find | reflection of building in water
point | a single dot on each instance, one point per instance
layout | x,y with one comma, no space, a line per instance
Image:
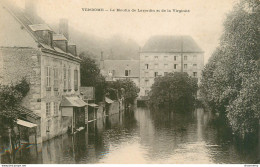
48,60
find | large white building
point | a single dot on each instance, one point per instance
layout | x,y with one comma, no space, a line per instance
163,54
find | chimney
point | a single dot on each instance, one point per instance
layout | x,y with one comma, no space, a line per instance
64,28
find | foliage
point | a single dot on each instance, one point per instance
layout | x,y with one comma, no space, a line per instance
10,97
90,76
230,80
177,89
125,88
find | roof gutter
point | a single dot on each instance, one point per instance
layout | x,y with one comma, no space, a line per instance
60,54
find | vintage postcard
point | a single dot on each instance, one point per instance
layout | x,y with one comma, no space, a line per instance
129,82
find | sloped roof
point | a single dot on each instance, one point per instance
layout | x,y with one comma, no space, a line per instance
33,24
39,27
171,44
27,112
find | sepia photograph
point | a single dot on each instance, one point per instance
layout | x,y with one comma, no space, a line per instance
130,82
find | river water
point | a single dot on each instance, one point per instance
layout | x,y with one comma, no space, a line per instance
142,136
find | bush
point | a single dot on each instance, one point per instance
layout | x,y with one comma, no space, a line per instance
178,90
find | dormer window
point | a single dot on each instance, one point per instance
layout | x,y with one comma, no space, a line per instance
44,33
61,42
72,49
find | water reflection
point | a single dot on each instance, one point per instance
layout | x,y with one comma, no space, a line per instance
143,136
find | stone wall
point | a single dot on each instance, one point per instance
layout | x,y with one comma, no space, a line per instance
56,123
113,108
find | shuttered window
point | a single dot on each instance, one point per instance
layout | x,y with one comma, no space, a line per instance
69,79
48,77
64,78
48,110
76,80
56,78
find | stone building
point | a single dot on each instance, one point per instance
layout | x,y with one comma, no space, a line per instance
164,54
120,69
30,48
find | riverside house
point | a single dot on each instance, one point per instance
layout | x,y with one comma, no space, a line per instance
48,60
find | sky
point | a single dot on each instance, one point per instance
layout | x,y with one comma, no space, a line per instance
204,21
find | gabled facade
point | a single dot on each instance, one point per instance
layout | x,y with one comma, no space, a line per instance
29,48
165,54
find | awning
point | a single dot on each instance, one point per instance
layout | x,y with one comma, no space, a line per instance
72,102
92,105
108,100
25,123
27,112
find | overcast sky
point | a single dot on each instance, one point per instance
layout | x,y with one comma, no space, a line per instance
204,22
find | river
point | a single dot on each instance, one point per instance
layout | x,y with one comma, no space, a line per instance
142,136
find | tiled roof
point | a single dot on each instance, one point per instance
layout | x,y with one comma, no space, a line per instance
171,44
27,112
32,24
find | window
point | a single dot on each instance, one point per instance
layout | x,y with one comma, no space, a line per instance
194,74
69,79
165,57
56,78
48,124
111,72
65,78
48,110
156,57
194,57
175,66
185,66
155,74
146,66
146,82
76,80
56,108
185,58
156,66
165,66
194,65
48,78
175,58
146,92
127,72
165,73
146,74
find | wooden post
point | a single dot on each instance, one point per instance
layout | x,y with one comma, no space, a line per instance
11,145
72,121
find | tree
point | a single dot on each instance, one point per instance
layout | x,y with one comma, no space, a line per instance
125,88
175,89
90,76
230,83
10,97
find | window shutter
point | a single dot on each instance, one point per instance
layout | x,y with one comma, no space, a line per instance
46,76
